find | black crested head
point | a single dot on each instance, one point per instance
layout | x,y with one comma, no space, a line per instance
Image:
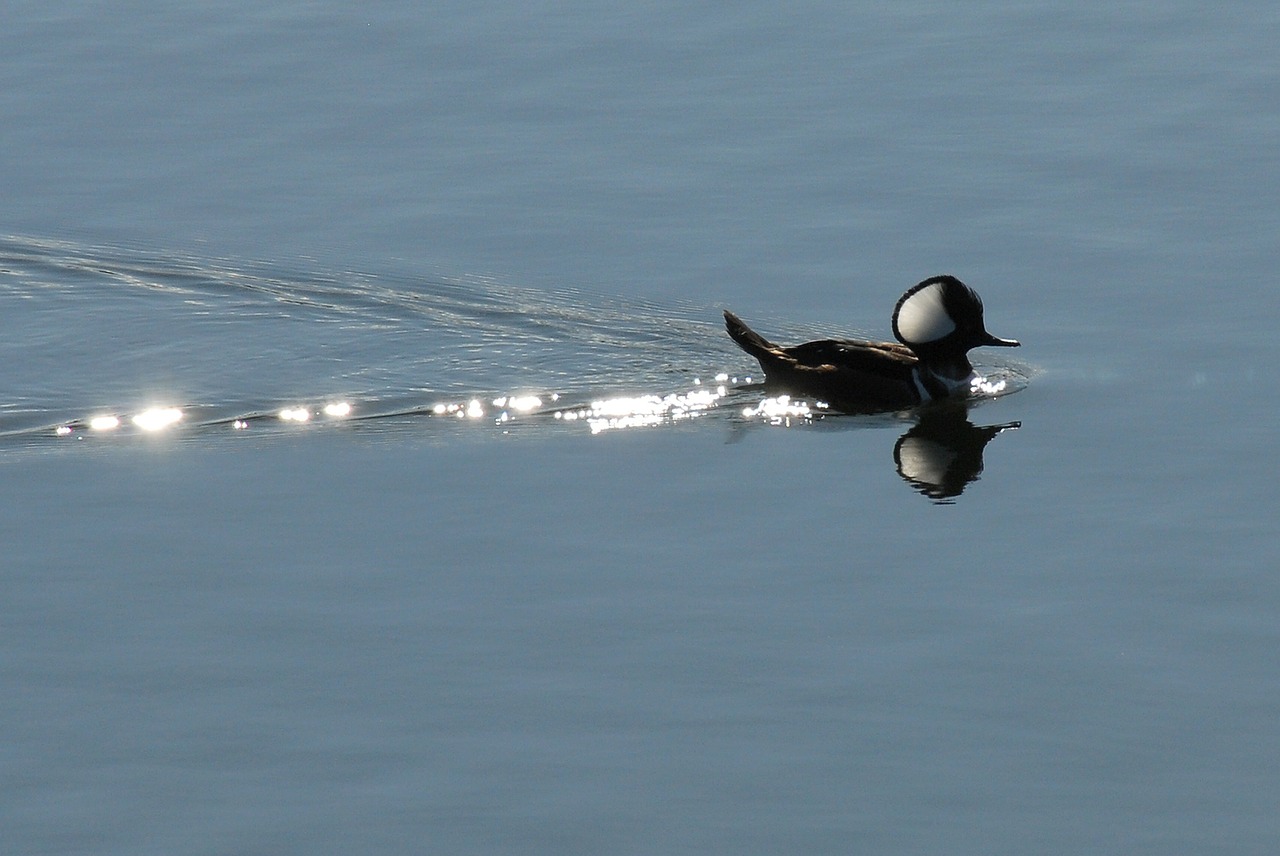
942,314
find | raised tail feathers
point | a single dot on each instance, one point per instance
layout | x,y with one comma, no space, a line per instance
749,340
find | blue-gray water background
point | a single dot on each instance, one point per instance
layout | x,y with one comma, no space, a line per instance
410,627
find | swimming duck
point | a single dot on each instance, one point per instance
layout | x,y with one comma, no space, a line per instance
937,322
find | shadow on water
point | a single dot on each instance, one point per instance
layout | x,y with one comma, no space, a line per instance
106,344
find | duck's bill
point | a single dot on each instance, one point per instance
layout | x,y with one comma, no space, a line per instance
1001,343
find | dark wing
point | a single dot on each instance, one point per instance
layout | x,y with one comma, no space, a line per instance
851,376
854,355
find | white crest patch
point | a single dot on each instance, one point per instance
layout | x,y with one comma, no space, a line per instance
922,317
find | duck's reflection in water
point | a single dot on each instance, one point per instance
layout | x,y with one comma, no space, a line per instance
942,453
939,456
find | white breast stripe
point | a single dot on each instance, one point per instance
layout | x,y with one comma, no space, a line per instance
924,393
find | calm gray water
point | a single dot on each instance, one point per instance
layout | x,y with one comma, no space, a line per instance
378,477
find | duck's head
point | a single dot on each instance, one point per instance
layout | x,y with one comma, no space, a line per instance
942,315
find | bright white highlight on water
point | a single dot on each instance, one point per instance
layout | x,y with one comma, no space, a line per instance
520,403
983,386
337,409
780,410
295,414
643,410
473,409
104,423
157,418
600,415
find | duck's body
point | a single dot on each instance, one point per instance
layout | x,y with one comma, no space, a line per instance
937,323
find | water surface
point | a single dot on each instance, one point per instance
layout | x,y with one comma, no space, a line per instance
679,622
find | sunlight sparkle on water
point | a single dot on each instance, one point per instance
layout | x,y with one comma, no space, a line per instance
295,414
600,415
984,386
781,410
520,403
644,410
473,409
157,418
337,409
104,423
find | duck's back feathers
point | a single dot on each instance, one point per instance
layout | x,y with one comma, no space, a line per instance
879,372
851,353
